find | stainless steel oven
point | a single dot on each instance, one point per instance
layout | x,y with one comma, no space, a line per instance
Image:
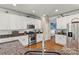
31,38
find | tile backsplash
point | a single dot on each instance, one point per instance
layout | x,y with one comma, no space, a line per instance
5,32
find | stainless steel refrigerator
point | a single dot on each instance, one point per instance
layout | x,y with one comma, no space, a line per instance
73,34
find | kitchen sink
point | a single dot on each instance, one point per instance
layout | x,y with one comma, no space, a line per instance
40,53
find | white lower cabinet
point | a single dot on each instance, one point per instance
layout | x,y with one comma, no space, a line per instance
39,37
60,39
3,40
23,40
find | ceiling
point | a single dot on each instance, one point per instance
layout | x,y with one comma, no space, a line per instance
40,9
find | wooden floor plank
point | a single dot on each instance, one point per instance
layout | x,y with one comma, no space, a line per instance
49,44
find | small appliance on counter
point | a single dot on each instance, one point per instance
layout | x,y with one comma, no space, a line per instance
30,26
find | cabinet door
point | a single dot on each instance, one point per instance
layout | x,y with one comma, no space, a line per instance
23,22
39,37
37,24
61,23
17,22
23,40
60,39
4,21
13,22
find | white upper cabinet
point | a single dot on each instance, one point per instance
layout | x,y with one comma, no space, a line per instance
24,21
38,24
10,21
13,22
17,22
35,22
61,23
4,21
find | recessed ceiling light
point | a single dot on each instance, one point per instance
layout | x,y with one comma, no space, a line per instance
56,10
14,4
44,49
44,14
33,11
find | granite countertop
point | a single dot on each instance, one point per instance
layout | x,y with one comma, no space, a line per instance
19,34
11,35
67,51
12,48
16,48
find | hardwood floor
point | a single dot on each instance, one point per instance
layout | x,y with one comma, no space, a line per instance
49,44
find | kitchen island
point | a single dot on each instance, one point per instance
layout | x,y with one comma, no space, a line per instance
16,48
